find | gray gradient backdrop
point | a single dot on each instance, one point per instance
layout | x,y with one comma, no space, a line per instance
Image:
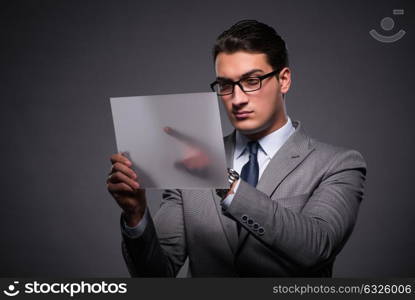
61,61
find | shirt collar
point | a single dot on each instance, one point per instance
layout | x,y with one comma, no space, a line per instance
269,144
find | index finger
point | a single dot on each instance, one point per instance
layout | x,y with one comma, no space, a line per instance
119,157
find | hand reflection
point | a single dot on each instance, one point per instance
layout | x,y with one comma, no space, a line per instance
196,159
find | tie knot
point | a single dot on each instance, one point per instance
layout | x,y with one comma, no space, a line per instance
253,147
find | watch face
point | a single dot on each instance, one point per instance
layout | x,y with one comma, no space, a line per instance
233,175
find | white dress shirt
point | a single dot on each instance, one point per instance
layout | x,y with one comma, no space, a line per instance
268,147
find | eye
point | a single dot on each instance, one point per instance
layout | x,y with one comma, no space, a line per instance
251,81
223,86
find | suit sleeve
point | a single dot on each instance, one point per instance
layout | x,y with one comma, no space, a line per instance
161,250
313,236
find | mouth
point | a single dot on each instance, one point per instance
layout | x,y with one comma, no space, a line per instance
241,115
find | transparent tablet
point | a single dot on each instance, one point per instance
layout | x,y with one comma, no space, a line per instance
174,141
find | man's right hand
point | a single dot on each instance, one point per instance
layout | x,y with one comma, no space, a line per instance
123,186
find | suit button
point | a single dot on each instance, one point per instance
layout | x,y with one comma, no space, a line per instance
250,222
255,226
244,218
261,230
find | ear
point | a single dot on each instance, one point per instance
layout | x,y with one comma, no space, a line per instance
284,78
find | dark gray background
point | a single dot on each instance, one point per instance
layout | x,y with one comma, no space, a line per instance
61,61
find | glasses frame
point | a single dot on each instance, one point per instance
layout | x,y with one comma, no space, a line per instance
261,78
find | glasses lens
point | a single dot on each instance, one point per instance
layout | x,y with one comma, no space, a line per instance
224,88
251,84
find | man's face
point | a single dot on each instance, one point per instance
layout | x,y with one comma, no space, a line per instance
256,113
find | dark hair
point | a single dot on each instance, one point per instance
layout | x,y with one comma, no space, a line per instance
256,37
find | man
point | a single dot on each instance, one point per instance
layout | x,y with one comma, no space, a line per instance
294,205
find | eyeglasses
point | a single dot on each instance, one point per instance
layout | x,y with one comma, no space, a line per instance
247,84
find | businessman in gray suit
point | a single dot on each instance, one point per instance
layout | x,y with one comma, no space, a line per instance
290,210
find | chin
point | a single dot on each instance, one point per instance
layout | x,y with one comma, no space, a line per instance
253,128
247,127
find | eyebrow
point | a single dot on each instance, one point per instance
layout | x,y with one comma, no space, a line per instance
247,74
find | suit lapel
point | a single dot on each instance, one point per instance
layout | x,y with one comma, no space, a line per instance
229,226
287,158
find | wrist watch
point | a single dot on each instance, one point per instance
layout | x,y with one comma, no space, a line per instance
232,177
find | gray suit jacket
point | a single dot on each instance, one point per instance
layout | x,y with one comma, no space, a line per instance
294,222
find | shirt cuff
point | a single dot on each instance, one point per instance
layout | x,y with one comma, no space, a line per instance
138,230
228,199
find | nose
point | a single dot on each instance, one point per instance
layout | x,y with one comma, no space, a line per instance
239,97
